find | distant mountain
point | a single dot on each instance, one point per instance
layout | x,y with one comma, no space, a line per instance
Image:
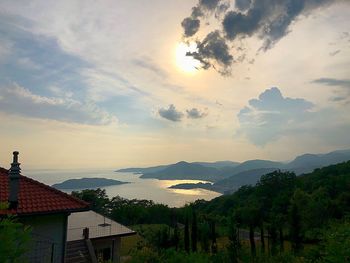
84,183
228,176
232,183
308,162
249,172
143,170
185,171
256,164
219,165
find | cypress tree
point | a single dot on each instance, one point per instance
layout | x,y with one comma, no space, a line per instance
273,238
295,230
194,231
251,240
187,236
176,237
214,247
234,242
281,239
262,238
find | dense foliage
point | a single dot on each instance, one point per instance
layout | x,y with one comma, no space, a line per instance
301,219
14,240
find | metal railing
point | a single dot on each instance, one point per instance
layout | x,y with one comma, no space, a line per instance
102,230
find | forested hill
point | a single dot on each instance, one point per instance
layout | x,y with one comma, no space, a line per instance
185,170
279,188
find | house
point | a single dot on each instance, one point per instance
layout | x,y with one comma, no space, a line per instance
100,233
57,220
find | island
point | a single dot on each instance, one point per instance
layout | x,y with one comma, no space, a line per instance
192,186
84,183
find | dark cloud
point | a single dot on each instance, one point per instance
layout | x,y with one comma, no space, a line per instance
221,9
268,117
190,26
243,5
170,113
345,83
194,113
209,5
212,51
269,20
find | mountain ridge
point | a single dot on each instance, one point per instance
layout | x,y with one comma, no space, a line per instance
229,175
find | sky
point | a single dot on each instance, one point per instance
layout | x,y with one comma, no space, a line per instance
109,84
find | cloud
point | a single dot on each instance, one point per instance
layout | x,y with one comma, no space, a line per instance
242,5
190,26
341,86
344,83
21,101
267,118
212,51
148,64
171,113
5,48
338,98
104,85
194,113
269,20
333,53
209,4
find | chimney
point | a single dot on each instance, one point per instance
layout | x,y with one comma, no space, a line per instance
14,177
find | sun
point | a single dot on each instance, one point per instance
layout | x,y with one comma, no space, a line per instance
186,63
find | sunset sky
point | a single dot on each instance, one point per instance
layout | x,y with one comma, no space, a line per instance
109,84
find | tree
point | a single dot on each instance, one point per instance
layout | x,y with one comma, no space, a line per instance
272,239
251,240
234,244
214,246
14,240
187,236
194,231
97,198
262,237
204,234
295,228
249,215
176,238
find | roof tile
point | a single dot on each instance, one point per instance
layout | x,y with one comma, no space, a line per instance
36,197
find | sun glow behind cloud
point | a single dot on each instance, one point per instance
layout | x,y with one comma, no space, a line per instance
186,63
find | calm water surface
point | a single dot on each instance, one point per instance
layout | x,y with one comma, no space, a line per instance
151,189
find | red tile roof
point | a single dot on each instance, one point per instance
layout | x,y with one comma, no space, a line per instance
35,197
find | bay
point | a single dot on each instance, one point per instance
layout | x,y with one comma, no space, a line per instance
138,188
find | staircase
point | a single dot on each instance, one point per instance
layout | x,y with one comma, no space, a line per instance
77,252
